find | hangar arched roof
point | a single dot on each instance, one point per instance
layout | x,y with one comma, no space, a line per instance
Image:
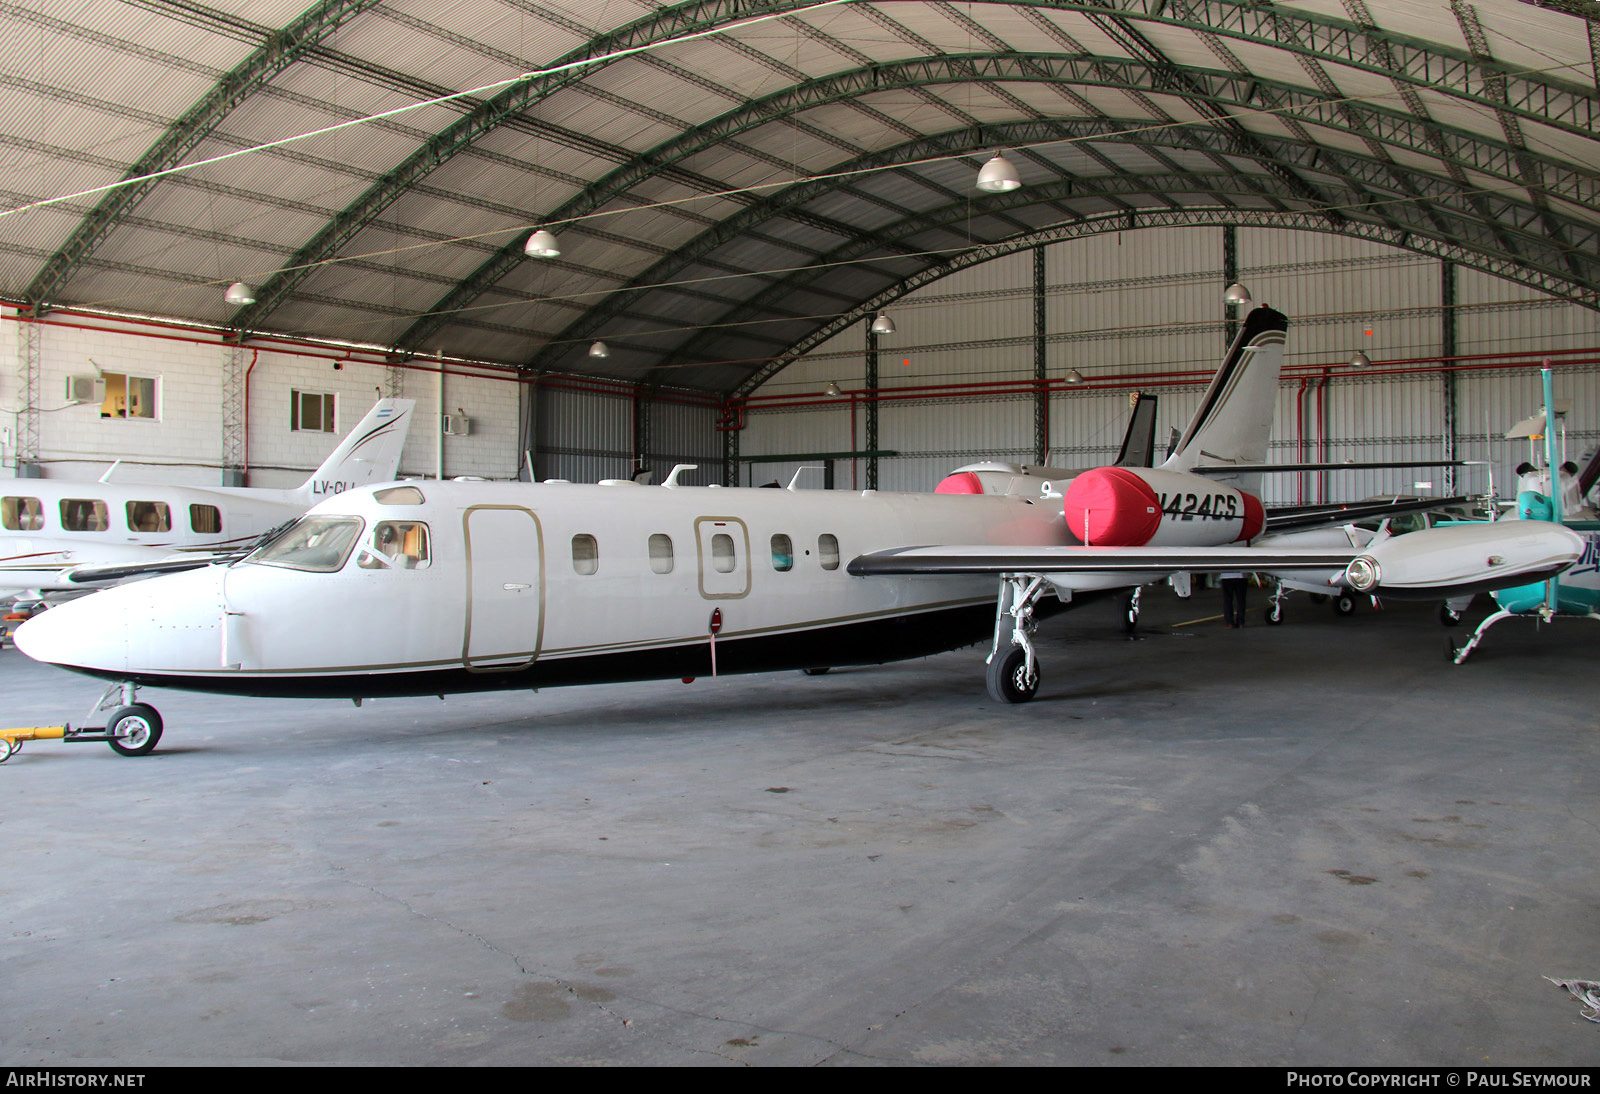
725,200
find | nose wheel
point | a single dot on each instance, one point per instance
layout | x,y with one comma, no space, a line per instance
134,730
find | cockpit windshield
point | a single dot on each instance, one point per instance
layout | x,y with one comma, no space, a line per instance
319,545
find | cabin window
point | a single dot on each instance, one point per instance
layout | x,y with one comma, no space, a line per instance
318,545
722,553
205,519
828,551
149,516
311,412
128,397
396,545
84,515
398,495
782,553
661,553
22,514
585,553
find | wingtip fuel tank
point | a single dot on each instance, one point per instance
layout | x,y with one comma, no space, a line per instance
1455,560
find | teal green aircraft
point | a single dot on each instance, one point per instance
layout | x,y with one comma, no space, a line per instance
1575,592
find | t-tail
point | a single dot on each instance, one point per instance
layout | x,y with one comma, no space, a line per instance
370,453
1234,422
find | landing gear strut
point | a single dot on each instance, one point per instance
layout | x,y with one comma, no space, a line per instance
1013,675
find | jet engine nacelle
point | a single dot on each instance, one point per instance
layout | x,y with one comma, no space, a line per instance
1454,560
1149,507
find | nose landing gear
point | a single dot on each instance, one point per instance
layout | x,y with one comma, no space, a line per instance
133,729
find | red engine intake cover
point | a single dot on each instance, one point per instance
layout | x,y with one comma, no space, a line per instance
1255,517
1120,508
962,482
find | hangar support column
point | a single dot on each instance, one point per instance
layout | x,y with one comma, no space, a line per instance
1230,275
1041,394
1447,350
871,406
30,370
233,414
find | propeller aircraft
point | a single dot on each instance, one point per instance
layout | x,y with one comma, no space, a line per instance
54,532
1577,591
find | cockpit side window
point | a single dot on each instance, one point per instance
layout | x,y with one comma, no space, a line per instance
318,545
397,545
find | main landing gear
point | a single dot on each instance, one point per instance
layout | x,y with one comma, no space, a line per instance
1013,675
132,729
1274,612
1130,610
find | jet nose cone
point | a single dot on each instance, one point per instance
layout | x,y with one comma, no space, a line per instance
68,635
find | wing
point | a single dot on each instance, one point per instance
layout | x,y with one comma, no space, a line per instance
988,559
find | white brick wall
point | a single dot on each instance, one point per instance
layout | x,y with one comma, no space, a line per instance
184,444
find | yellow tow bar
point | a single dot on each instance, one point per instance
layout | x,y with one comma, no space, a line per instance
11,739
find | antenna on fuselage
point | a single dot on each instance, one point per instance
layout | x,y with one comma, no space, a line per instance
794,483
672,478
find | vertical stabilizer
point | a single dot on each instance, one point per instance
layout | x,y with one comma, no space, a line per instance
369,453
1139,442
1234,421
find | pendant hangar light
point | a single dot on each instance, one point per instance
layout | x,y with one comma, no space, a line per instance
882,325
998,176
599,349
541,244
239,294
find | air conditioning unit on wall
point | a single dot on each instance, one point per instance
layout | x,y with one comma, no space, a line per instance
457,425
86,389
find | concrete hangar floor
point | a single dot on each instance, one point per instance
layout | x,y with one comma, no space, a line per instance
1309,844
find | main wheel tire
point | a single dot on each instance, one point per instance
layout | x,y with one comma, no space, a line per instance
1274,614
1008,677
1130,615
1448,616
1345,604
134,730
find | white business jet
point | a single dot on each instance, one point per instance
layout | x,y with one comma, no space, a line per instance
439,587
60,536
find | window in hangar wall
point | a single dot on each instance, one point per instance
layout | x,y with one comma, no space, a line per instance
311,412
129,397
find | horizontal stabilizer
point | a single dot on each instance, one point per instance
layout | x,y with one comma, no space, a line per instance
1301,517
